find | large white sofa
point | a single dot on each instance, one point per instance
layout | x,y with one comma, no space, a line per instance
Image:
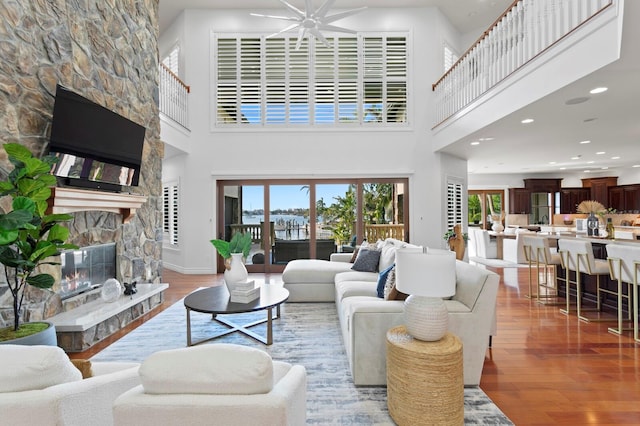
365,318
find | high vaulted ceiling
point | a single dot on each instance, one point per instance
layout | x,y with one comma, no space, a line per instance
609,120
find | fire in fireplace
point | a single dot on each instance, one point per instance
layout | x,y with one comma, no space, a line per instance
86,269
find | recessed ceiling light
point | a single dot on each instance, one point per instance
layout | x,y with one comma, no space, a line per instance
615,158
600,152
590,162
587,171
485,139
605,168
474,143
563,168
527,121
576,101
552,162
598,90
577,157
585,142
636,165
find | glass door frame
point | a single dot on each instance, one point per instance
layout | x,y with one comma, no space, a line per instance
267,267
484,210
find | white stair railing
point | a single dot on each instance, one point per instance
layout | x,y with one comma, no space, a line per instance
525,30
174,97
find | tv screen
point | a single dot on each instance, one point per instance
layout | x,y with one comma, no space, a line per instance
96,147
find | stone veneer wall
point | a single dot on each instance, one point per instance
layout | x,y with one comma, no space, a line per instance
107,51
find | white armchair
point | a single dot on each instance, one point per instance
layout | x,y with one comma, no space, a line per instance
219,383
513,249
49,390
484,246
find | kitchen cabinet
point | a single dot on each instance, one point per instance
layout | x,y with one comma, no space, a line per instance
519,201
542,185
600,188
632,198
616,198
571,197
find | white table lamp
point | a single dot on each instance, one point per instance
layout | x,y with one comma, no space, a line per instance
427,278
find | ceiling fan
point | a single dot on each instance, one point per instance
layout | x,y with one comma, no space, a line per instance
311,22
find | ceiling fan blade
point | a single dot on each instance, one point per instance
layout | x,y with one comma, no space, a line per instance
293,9
301,34
289,28
336,29
284,18
322,10
317,34
337,16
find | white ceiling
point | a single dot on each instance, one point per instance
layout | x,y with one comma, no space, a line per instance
558,128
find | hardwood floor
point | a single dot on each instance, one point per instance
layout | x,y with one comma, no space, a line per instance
544,367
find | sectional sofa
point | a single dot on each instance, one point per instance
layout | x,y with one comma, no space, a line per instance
365,318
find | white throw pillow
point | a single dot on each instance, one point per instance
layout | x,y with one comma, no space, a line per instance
387,256
221,368
34,367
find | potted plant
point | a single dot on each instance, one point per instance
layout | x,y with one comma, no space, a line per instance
28,236
456,240
234,253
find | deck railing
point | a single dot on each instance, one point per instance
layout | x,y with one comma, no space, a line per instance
174,102
525,30
374,233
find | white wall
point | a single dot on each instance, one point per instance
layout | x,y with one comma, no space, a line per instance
223,154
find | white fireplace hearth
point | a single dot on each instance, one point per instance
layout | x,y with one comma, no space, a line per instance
84,326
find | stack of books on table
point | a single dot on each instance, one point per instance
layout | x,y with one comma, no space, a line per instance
245,292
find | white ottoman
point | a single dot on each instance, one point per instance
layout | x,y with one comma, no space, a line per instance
312,280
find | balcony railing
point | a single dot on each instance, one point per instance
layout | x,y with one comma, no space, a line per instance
372,232
524,31
174,97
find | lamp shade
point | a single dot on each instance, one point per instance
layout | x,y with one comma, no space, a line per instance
426,274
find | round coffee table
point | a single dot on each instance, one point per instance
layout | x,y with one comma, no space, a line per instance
215,301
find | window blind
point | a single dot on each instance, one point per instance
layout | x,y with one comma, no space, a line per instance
356,80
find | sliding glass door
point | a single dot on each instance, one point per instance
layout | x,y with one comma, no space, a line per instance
310,219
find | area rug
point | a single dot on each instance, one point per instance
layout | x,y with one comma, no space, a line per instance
306,334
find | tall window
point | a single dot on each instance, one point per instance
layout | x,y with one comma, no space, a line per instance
170,213
454,203
171,60
450,57
357,80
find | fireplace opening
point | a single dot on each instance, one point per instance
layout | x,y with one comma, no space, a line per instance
85,269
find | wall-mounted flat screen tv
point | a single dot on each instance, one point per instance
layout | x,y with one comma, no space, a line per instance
96,148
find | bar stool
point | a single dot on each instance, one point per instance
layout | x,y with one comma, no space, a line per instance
538,251
624,264
577,256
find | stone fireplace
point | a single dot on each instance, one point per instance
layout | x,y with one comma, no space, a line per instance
107,52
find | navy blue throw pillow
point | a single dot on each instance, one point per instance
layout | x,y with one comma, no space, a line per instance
382,279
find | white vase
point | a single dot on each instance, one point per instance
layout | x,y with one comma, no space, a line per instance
237,272
497,227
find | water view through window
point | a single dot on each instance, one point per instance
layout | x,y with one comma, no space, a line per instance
310,219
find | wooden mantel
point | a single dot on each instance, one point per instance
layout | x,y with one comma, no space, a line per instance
70,200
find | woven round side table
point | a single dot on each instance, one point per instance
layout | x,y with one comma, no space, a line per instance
425,385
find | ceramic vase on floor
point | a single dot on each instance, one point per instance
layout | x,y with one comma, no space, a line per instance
237,272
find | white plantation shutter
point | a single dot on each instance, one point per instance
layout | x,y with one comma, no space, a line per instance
455,192
171,60
450,58
170,212
267,82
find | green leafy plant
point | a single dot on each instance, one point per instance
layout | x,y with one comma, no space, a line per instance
28,235
451,234
240,243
